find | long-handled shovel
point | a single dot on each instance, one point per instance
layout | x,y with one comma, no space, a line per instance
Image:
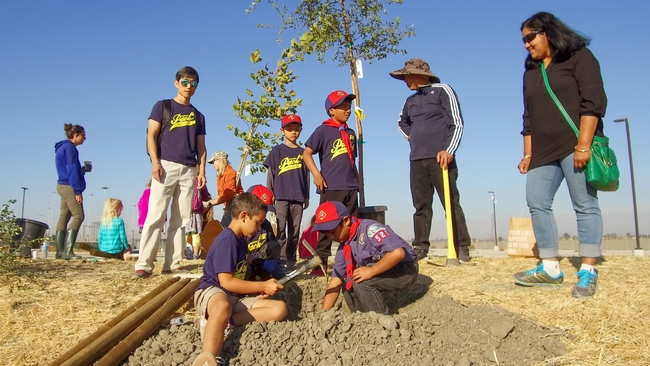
452,259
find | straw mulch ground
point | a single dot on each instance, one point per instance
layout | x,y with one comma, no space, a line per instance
63,302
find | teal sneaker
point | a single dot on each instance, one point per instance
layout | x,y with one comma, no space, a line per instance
587,284
538,277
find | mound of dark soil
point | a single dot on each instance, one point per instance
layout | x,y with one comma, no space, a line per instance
427,330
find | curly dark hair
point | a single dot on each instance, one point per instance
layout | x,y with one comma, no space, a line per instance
562,40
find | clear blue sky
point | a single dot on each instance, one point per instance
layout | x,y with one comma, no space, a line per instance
104,64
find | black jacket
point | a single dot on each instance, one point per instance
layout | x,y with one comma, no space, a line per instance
432,120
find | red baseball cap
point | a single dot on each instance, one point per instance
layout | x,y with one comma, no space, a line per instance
263,193
291,118
329,215
337,97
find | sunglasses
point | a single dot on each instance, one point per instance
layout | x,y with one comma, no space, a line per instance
192,83
530,36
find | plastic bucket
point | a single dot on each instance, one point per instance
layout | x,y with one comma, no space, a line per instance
31,230
377,213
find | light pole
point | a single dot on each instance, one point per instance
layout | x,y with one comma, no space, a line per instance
49,222
494,220
52,213
22,211
105,188
133,216
637,250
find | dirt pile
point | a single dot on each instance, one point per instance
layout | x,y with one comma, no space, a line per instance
427,330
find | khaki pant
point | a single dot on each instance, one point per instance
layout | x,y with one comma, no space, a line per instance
202,298
177,185
69,209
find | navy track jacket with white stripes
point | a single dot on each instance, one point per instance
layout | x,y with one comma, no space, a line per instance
431,118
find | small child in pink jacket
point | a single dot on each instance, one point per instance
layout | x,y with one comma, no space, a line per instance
143,206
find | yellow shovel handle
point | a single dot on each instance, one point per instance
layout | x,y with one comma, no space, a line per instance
451,250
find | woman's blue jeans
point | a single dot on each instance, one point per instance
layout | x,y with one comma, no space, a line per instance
541,185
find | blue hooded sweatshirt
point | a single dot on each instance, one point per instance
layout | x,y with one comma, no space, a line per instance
68,167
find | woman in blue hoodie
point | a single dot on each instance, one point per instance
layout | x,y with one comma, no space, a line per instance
70,187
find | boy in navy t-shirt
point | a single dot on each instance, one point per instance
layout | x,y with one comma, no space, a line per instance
263,247
288,178
219,298
335,144
371,260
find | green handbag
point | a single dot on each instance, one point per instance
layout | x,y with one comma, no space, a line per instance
601,171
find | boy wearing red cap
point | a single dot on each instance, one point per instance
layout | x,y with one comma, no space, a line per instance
335,144
263,247
370,261
288,178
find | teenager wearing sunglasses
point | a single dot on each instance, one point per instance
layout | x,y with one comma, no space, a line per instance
176,146
553,153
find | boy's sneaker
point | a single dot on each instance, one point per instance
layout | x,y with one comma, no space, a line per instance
538,277
175,271
140,273
587,284
197,256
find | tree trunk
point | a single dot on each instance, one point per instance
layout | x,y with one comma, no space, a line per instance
357,102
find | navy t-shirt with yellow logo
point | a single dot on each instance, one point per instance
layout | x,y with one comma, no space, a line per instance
290,176
335,164
226,255
257,243
178,143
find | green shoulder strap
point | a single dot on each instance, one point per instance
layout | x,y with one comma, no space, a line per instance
557,101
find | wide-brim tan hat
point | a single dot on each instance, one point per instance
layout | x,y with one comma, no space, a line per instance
415,66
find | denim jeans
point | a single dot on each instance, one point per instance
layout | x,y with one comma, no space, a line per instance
426,176
368,295
541,185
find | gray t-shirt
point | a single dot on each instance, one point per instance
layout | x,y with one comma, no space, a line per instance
178,142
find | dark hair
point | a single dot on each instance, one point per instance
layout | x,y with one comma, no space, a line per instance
562,40
71,130
247,202
188,72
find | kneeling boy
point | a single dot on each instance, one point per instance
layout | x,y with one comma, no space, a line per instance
219,298
370,260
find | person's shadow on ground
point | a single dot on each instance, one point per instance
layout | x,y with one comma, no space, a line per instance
292,295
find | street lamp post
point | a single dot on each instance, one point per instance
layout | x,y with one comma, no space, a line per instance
22,211
105,188
637,250
494,218
52,213
132,226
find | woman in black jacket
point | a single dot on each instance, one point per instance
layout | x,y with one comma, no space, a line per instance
553,152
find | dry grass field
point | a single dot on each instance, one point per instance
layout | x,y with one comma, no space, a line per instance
50,305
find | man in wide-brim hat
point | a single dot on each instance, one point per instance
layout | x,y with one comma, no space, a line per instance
432,122
415,66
